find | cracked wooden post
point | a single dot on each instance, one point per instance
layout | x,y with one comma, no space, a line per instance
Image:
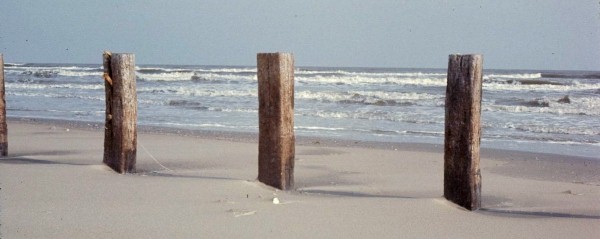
462,176
3,126
276,143
120,135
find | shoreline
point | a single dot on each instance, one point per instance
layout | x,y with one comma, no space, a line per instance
522,164
247,137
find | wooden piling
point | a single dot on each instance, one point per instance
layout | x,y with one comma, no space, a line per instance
120,135
276,146
3,126
462,176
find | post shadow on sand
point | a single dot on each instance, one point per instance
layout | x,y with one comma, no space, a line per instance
488,211
351,194
173,175
532,214
16,159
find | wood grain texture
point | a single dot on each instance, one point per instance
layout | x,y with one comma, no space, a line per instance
121,124
462,176
276,150
3,126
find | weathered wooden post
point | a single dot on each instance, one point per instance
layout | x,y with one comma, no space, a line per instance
276,143
462,176
120,135
3,127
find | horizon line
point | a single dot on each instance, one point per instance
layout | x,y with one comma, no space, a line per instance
305,66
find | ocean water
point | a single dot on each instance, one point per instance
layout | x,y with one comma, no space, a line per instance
538,111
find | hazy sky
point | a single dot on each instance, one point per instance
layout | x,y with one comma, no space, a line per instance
511,34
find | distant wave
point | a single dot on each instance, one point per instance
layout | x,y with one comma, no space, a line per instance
545,129
317,128
150,70
515,76
37,86
228,70
575,106
342,73
13,64
53,71
539,85
575,75
377,98
195,76
535,82
543,102
199,92
159,70
42,73
164,76
56,95
561,75
363,80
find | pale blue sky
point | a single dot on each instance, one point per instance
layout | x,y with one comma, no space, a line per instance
512,34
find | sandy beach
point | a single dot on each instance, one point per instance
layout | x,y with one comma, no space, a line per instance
53,185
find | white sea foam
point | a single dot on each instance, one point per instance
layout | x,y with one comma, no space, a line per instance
370,97
165,76
210,125
33,86
361,80
228,70
514,76
558,129
327,114
197,69
577,106
343,73
225,77
208,92
56,96
80,73
193,76
317,128
11,65
576,86
52,72
239,110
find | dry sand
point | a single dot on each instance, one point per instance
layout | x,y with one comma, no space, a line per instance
53,185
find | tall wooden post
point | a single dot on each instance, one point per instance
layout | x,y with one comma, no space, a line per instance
3,127
276,144
120,135
462,176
